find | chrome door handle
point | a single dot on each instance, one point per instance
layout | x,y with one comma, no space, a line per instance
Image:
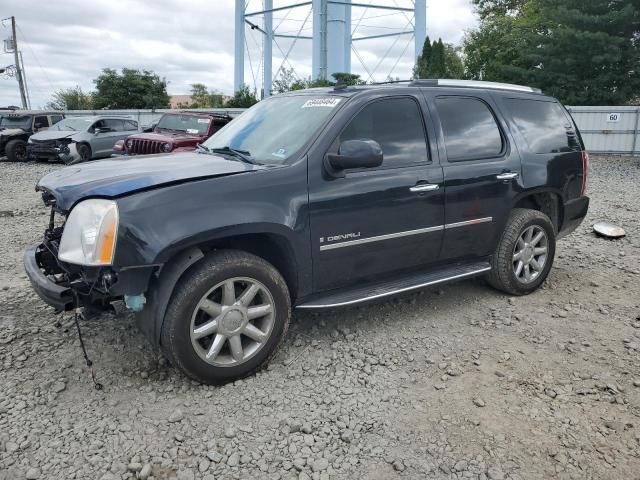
507,176
425,187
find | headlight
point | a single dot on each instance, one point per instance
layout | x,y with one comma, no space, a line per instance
89,235
129,143
166,147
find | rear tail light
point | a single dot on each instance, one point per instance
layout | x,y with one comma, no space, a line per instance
585,169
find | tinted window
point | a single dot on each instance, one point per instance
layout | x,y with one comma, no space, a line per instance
470,130
55,119
114,125
130,125
41,122
543,124
396,124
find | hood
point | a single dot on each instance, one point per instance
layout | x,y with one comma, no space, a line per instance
169,136
52,135
11,131
125,175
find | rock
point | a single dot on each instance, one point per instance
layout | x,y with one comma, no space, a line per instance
186,475
58,387
495,473
549,392
636,382
145,472
460,466
233,460
320,464
214,456
229,432
11,447
134,467
203,466
176,416
398,465
33,474
478,402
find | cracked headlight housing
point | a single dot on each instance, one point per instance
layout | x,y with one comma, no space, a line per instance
90,232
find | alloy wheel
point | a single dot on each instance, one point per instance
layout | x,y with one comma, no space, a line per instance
232,322
530,254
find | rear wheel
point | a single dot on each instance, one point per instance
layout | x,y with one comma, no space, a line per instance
524,256
16,150
226,318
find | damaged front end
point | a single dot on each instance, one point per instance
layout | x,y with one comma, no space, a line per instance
63,285
59,150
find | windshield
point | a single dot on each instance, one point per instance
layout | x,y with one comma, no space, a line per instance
72,124
273,130
15,121
184,123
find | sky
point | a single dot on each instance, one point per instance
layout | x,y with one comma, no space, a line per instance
66,43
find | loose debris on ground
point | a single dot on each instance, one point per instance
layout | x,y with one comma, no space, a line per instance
453,382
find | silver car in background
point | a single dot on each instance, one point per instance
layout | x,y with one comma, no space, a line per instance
79,139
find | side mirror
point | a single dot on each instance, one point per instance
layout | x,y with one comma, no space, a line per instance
354,154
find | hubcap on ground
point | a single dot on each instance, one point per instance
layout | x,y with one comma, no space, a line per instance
232,322
530,254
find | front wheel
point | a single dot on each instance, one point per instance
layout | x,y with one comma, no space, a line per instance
16,151
524,256
226,317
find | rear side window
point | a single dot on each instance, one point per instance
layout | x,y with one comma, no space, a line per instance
396,124
114,125
130,125
470,129
544,125
55,119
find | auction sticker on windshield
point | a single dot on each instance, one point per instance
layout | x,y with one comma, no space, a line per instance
203,120
321,102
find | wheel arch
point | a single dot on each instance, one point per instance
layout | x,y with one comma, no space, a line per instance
271,247
546,201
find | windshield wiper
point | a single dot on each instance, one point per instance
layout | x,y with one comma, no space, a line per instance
243,155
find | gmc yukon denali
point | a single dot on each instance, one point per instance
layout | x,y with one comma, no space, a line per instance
314,199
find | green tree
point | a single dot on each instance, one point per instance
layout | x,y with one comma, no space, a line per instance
243,98
454,68
202,97
438,60
70,99
421,69
348,79
584,53
130,89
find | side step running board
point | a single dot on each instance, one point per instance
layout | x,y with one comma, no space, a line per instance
372,291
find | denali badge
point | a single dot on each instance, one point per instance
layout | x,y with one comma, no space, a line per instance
343,236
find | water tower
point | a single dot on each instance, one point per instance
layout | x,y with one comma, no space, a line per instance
332,39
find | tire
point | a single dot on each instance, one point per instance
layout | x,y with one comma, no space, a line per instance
506,274
84,152
202,288
16,150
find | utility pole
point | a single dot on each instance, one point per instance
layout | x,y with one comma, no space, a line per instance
23,95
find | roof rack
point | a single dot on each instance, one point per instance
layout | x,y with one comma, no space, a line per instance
473,84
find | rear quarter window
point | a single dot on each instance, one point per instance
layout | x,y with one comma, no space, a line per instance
543,124
469,128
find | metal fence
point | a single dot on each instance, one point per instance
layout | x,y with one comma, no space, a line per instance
609,129
613,130
146,117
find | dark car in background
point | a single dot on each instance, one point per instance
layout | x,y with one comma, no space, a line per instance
315,199
174,132
79,139
17,126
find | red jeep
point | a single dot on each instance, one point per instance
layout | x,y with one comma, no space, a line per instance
174,132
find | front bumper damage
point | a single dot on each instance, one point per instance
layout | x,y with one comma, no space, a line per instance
65,153
66,286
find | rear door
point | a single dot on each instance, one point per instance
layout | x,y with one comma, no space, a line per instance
377,221
482,172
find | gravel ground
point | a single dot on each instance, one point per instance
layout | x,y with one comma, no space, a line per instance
452,382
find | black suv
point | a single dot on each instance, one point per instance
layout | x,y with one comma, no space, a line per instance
17,126
315,199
